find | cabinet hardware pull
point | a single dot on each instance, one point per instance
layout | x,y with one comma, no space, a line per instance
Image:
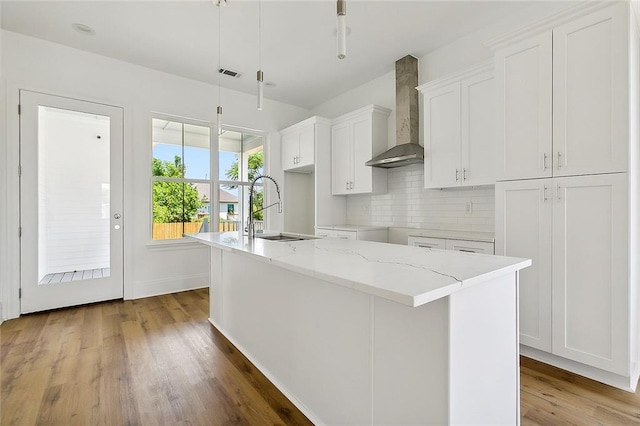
558,191
544,161
351,185
457,174
464,174
545,193
467,250
347,185
559,164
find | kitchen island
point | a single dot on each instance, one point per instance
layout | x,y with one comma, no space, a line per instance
358,332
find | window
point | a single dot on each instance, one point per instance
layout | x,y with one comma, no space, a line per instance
181,178
240,159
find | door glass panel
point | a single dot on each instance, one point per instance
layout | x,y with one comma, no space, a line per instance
73,195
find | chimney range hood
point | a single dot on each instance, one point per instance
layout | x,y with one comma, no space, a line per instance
407,150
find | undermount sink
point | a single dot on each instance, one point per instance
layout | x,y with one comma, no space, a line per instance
284,237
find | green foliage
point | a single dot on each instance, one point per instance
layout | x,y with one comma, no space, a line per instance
173,201
255,163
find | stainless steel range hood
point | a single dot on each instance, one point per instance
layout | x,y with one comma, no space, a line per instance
407,150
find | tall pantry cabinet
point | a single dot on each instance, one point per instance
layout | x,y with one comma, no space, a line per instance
569,187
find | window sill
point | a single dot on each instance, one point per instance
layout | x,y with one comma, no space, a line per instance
177,244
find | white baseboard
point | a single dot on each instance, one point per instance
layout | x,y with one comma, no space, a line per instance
602,376
150,288
314,419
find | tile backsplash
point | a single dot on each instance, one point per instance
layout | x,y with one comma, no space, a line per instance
407,204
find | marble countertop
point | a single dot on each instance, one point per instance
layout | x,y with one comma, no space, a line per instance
487,237
409,275
353,227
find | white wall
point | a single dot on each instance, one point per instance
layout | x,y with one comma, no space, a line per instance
55,69
407,204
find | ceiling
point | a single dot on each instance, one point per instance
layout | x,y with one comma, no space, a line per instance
298,41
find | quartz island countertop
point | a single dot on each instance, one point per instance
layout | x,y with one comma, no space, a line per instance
408,275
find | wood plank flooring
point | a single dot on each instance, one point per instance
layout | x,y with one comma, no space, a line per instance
154,361
158,361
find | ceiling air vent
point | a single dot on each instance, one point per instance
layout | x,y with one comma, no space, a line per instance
229,73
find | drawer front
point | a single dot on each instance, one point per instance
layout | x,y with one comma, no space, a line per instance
470,246
333,233
426,242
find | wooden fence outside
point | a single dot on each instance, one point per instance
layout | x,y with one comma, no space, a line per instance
171,231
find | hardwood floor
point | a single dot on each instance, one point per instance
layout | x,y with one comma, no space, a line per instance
154,361
158,361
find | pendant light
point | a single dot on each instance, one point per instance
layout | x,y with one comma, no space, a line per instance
219,3
342,29
260,74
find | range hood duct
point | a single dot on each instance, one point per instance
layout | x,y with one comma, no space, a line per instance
407,150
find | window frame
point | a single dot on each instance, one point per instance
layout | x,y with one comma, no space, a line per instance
240,183
213,166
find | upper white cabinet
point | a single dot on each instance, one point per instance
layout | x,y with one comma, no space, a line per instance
459,129
355,139
298,146
563,99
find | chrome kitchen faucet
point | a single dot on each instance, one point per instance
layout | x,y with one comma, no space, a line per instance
251,225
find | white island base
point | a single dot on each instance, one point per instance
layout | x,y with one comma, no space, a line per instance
348,357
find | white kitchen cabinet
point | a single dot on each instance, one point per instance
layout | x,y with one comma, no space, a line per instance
298,146
427,242
563,98
590,271
469,246
353,233
355,139
523,228
590,93
574,299
459,129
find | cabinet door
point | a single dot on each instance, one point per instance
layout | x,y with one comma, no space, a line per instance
478,130
340,159
289,150
442,137
362,139
590,94
470,246
523,90
590,264
523,229
426,242
306,146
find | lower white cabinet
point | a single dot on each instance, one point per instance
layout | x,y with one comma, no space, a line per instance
379,235
468,246
575,300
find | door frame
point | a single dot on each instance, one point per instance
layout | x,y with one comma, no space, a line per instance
10,277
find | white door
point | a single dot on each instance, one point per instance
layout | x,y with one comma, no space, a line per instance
590,264
362,149
307,145
590,94
442,137
524,86
478,150
340,159
523,229
290,150
71,202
